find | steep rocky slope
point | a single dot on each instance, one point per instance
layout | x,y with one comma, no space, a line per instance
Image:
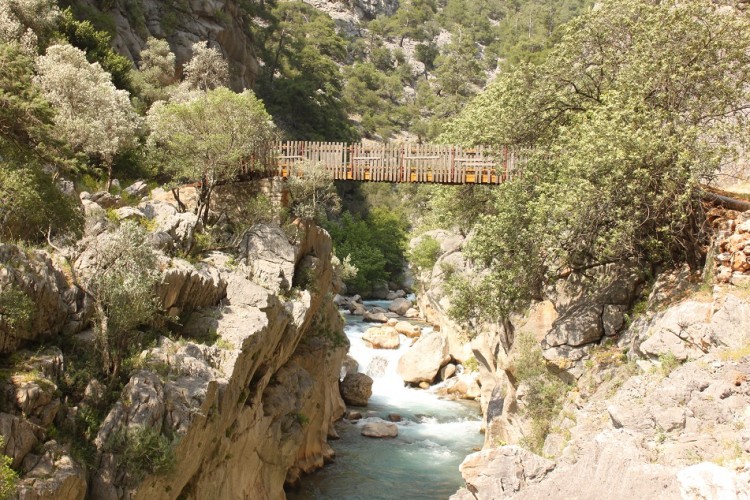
658,392
244,395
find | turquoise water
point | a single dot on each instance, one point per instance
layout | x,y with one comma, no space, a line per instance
421,463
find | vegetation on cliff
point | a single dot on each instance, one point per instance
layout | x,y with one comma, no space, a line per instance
635,106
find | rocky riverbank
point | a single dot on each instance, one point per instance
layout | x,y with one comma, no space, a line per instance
656,392
241,395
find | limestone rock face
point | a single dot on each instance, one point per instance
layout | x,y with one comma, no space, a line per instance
184,287
424,359
384,337
219,22
252,411
53,475
500,472
269,257
356,389
55,301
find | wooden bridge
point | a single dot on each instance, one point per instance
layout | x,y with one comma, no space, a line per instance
400,162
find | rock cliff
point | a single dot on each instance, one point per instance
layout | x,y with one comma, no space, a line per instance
657,391
237,402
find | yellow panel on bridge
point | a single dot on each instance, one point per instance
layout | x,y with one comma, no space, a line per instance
427,163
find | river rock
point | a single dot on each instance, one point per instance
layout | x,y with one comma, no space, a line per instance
408,329
357,309
423,360
350,365
400,306
412,313
353,416
374,317
380,429
447,371
395,417
392,322
383,337
356,389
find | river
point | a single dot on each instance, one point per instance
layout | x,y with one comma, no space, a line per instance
435,436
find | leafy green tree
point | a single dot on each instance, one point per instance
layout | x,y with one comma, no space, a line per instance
32,206
207,69
313,192
91,113
156,71
375,245
27,24
123,289
26,118
210,139
301,82
637,105
96,45
8,477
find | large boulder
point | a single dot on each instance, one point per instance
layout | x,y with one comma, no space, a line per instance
52,475
356,389
500,472
400,306
383,337
269,257
424,359
380,429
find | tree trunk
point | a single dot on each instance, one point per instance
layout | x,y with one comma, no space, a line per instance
109,161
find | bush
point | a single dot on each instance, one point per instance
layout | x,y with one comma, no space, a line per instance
425,253
143,451
544,391
16,308
8,477
31,205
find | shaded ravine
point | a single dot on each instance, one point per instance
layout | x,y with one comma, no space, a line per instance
435,435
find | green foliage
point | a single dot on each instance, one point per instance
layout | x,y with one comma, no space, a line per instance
544,392
8,477
143,451
425,253
31,205
313,192
630,112
668,362
26,118
124,291
16,308
210,139
96,44
375,244
301,82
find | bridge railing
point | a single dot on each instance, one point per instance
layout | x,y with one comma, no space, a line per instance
443,164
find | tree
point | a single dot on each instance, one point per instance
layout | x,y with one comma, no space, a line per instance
637,105
25,23
207,69
156,71
92,115
313,192
210,139
97,46
123,289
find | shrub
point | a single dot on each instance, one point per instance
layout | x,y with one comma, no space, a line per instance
143,451
8,477
425,253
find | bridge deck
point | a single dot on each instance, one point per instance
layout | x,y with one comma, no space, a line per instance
429,163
